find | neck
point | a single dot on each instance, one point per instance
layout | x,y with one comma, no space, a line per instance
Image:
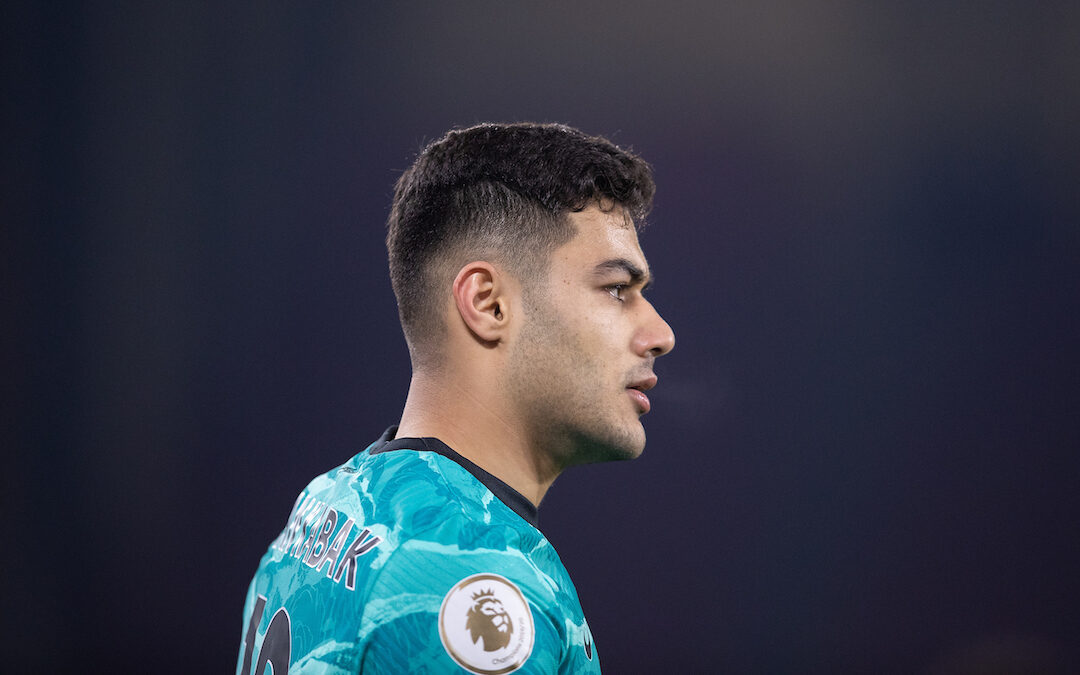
467,414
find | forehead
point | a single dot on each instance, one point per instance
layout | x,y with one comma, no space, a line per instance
600,236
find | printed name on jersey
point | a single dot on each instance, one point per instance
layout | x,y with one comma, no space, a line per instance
486,625
307,536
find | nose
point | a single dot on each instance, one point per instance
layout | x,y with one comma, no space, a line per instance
654,336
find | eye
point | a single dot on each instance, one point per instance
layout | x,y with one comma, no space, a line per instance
616,291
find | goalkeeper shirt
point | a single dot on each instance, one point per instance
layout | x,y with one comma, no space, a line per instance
409,558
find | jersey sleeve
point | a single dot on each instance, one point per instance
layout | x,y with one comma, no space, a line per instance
461,599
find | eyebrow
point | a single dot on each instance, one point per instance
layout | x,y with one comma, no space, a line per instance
636,274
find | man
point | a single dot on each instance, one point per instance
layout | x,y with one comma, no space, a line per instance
515,261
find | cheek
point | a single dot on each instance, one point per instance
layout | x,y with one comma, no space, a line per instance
598,330
572,351
605,343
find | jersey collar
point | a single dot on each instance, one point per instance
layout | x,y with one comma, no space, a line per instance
506,494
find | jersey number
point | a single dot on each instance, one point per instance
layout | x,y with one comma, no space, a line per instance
276,644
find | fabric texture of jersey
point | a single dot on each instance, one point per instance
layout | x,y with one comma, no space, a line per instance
408,558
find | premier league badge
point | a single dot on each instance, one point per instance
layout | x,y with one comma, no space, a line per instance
486,625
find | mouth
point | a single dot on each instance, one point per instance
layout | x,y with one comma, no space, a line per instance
636,391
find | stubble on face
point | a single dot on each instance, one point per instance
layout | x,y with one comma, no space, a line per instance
567,394
562,379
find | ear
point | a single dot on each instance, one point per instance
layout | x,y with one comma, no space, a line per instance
482,296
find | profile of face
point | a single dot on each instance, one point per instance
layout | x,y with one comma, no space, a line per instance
583,357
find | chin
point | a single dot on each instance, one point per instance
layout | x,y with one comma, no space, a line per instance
615,446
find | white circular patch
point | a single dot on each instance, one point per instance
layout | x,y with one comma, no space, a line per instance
486,625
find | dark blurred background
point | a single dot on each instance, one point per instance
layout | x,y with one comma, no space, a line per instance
863,453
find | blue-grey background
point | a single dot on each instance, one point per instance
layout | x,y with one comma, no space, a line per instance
863,453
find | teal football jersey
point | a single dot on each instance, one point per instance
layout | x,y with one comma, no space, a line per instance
409,558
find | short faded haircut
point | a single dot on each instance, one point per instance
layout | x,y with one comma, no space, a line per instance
501,193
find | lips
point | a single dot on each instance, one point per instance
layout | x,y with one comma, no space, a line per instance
636,390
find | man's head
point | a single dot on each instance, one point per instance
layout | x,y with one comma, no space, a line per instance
502,193
515,259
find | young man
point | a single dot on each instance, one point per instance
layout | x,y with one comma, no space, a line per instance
515,261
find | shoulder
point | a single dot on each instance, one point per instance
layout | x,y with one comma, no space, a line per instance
466,578
418,492
439,518
404,559
467,594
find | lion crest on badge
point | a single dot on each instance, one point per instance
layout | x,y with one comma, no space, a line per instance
488,620
486,625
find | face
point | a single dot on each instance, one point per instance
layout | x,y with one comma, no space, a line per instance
584,355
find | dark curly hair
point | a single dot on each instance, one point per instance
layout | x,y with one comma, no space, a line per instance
499,192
